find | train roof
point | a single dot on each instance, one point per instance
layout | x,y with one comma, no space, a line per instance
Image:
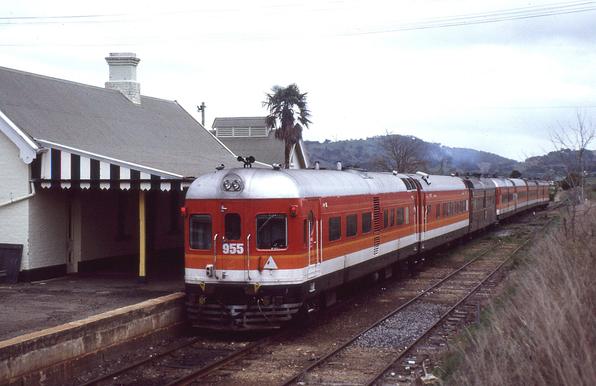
518,182
502,182
433,183
300,183
480,183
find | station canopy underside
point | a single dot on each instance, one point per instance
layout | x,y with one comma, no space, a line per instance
61,167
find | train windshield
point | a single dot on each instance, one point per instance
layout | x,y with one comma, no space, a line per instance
232,226
200,231
271,231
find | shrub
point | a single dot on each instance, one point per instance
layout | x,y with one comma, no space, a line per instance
544,333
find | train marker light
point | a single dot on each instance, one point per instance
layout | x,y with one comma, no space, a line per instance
183,211
293,210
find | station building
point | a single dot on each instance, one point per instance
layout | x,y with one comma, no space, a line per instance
247,136
93,177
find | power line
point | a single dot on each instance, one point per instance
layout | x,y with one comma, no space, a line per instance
470,18
510,14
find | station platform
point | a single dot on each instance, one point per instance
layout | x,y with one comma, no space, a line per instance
50,330
29,307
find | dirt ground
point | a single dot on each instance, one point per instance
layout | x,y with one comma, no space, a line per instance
28,307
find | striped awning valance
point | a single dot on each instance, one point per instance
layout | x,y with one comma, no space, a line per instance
61,167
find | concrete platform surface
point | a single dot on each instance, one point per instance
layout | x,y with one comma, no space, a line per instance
28,307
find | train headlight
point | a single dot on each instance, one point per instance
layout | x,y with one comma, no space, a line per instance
232,183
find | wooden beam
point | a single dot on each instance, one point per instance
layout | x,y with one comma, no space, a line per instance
142,237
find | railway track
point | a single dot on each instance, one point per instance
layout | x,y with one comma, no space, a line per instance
196,361
399,362
173,365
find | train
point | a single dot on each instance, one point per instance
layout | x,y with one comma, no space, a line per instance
264,246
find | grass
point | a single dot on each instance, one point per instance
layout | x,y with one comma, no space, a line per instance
543,331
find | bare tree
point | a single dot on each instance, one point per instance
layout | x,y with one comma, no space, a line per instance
572,141
404,154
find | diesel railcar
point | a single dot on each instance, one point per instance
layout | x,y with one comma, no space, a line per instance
262,245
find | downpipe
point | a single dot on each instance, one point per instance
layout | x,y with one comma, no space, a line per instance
19,199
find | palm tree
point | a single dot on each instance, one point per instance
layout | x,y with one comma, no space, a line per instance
288,114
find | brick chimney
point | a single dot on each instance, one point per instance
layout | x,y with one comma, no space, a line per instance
123,75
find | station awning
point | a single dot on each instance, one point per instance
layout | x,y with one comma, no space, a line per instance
68,168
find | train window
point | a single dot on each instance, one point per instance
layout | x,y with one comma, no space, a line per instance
271,231
351,225
392,217
385,218
428,210
200,231
408,215
232,224
400,216
334,228
438,211
366,222
445,209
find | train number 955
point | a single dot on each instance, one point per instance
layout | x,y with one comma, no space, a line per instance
232,248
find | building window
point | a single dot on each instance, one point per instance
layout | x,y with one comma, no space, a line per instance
334,228
366,222
271,231
351,225
232,224
200,231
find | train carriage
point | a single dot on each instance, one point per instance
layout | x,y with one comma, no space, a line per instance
264,242
444,217
505,193
520,196
263,245
482,202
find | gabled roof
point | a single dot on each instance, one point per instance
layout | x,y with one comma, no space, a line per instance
268,149
157,134
231,122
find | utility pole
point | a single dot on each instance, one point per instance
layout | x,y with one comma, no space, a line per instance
201,108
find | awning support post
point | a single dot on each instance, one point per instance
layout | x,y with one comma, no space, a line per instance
142,238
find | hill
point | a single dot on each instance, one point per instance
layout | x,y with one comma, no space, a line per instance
369,154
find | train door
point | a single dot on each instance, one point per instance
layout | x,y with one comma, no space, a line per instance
232,238
313,237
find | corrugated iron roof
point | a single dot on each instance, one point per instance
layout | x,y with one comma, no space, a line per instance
157,133
229,122
265,149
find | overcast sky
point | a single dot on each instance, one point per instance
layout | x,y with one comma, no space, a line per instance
491,75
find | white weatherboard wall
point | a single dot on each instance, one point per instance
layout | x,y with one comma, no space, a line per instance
48,221
14,183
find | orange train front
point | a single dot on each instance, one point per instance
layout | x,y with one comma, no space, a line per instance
263,245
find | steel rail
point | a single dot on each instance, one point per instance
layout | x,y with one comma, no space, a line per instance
412,345
215,365
139,363
357,335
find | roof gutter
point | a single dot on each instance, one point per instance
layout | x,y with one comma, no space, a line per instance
22,198
28,149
